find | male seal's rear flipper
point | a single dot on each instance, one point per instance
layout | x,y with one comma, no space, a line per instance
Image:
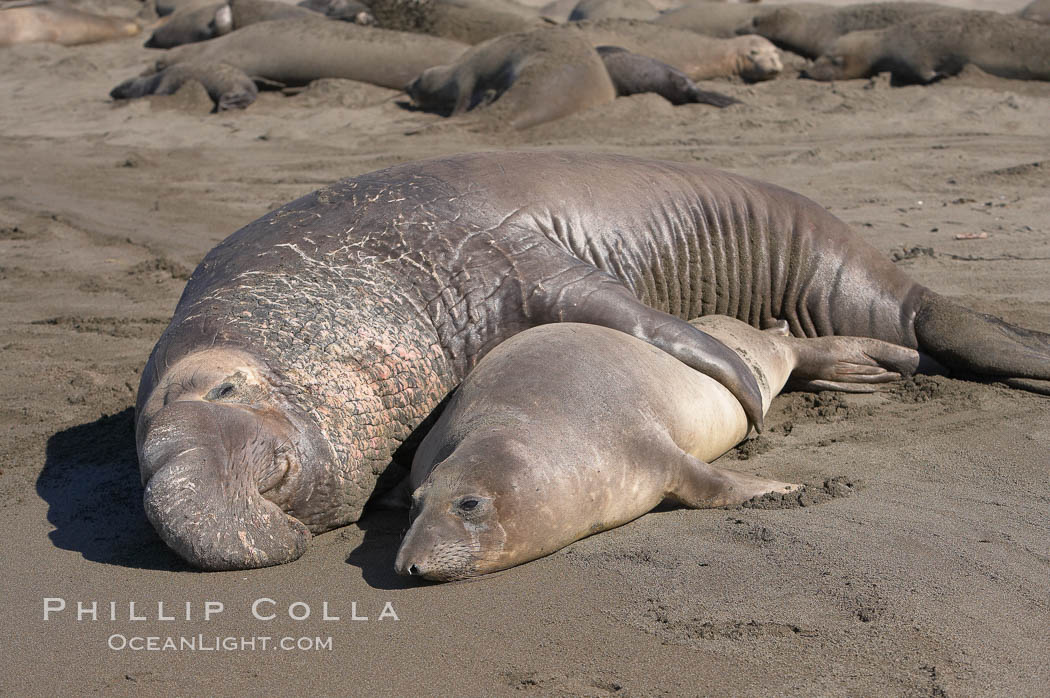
849,364
701,485
597,299
973,342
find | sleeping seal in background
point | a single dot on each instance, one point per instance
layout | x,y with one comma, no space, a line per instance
940,44
567,430
59,24
210,21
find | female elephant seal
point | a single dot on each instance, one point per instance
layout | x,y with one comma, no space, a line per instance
522,79
752,58
42,21
210,21
310,345
567,430
809,30
297,51
940,44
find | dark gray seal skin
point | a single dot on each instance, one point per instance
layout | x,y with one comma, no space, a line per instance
520,79
297,51
567,430
716,19
227,86
192,25
309,346
613,9
210,21
809,30
1036,11
940,44
633,74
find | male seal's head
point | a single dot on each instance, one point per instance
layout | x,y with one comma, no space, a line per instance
223,458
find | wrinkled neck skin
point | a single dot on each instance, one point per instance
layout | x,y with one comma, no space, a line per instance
277,401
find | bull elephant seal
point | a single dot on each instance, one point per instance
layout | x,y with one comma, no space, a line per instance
566,430
939,44
58,24
210,21
632,74
523,79
309,346
809,30
297,51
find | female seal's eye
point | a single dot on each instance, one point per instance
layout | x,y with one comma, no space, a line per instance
221,391
468,504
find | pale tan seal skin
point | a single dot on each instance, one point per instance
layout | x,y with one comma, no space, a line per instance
566,430
60,25
520,79
940,44
297,51
809,30
752,58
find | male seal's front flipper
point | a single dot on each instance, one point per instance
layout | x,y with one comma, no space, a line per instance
983,344
700,485
598,299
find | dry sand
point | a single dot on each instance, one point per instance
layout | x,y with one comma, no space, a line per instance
931,578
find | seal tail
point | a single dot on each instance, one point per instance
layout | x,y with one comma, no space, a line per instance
982,344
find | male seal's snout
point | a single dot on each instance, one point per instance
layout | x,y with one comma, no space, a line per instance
224,462
211,465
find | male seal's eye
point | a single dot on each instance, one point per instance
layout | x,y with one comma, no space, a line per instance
220,392
468,504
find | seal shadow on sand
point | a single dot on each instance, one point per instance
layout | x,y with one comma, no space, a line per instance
375,555
91,483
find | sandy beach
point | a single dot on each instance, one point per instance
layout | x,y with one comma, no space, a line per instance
924,570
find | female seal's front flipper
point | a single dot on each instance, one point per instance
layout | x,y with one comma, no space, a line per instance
849,364
598,299
981,344
700,485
